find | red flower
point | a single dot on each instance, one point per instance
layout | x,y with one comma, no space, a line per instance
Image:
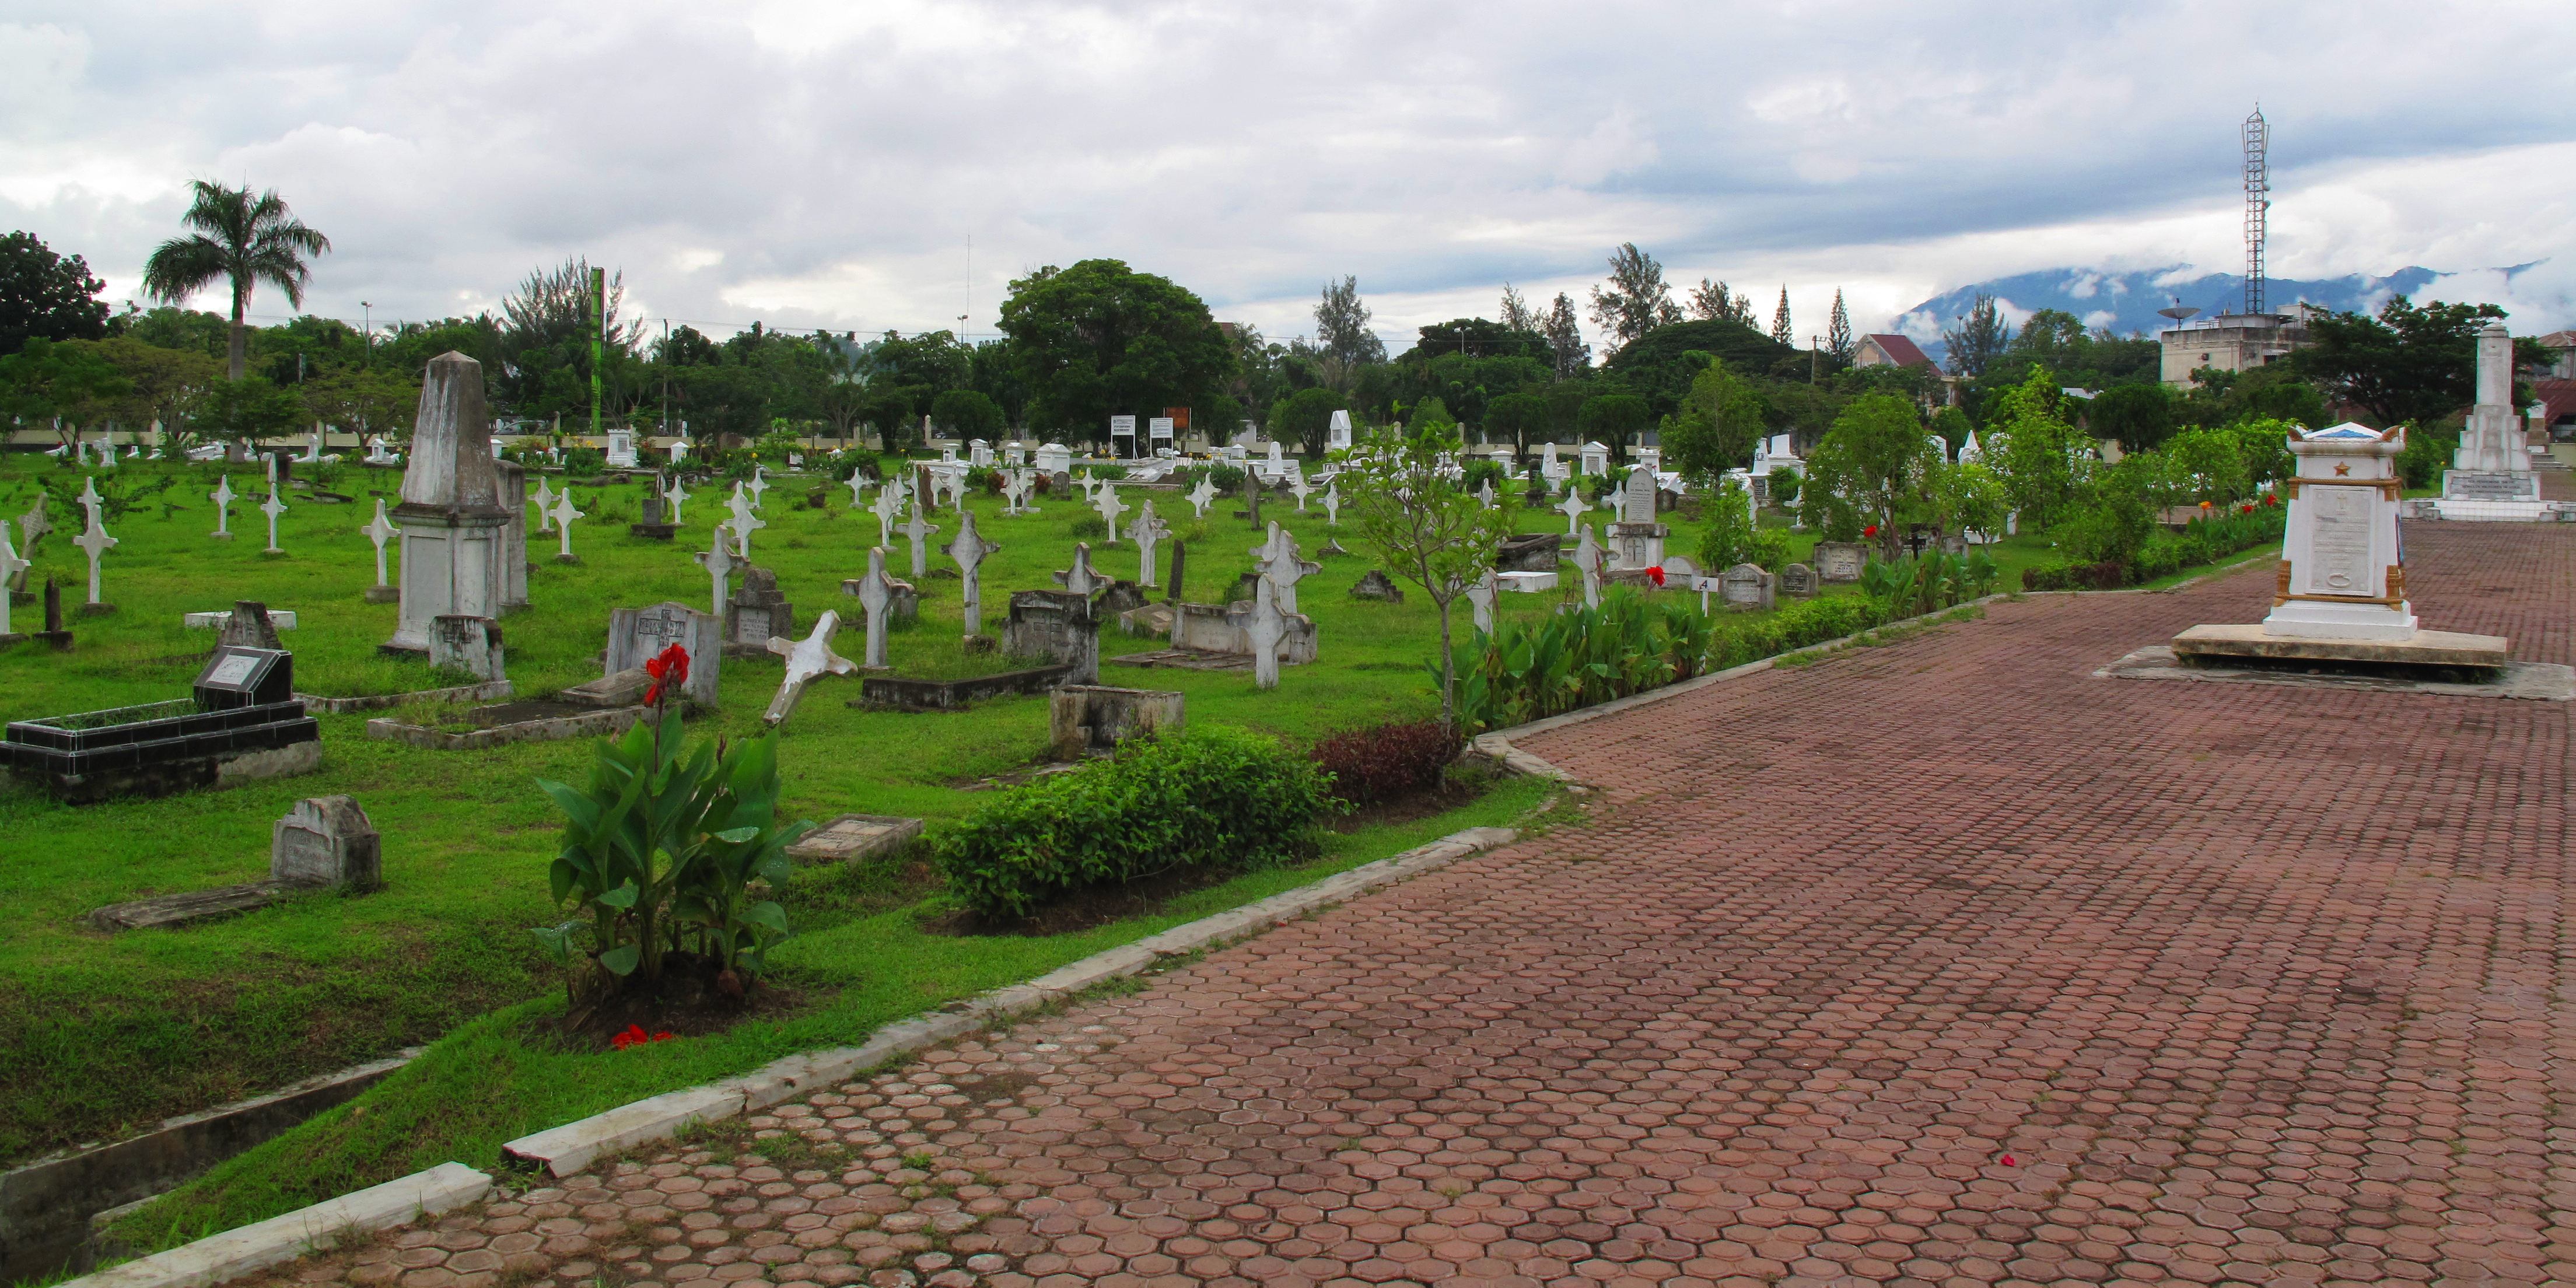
1870,531
636,1036
671,668
2269,499
2249,507
1655,574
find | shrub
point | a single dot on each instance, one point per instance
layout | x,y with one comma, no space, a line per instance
1108,471
1090,525
1209,797
583,462
1387,761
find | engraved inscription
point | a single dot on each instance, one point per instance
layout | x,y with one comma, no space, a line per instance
2340,543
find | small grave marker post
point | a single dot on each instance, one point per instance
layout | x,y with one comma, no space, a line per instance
381,531
718,560
223,498
970,549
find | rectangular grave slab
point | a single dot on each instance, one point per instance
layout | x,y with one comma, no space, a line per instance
281,618
951,695
172,910
1528,552
161,748
853,837
1057,625
1840,560
1528,583
1091,718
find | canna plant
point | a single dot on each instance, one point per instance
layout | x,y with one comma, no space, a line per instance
669,849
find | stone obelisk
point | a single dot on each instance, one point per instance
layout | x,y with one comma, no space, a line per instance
452,516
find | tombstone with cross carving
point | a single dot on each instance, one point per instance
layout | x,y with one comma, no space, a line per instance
223,496
94,542
638,635
672,495
876,594
919,530
970,550
380,531
1282,566
889,507
744,524
563,516
1079,579
719,562
1200,496
545,501
1146,531
1106,501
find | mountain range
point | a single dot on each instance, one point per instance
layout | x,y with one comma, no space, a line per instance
2127,302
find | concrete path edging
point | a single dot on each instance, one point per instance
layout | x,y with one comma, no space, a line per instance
279,1239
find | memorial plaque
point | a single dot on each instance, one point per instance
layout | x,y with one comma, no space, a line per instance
246,677
2340,562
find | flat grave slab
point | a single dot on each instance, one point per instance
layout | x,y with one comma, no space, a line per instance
853,837
2535,681
1188,659
194,906
2426,648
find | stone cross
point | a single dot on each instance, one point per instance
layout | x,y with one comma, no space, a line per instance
563,516
223,498
96,542
106,455
545,499
718,560
919,529
1587,556
1300,489
1106,501
744,521
10,566
90,499
759,485
1281,567
34,524
888,508
1145,531
1200,496
1267,627
673,493
1573,507
274,506
380,532
970,549
1079,579
858,489
1485,494
1015,493
876,595
1481,597
806,659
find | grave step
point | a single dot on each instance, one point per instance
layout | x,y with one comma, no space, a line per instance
196,905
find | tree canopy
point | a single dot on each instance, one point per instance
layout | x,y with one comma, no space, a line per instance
2410,365
46,296
1100,339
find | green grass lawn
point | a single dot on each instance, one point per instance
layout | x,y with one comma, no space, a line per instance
100,1034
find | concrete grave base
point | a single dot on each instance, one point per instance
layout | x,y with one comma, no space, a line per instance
853,837
384,594
549,729
2533,681
2423,648
488,692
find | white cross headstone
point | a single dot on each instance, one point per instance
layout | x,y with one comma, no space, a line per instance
95,542
970,549
1267,627
10,566
759,484
1299,488
919,530
1282,567
876,595
90,499
1202,494
1587,556
106,455
1333,503
545,503
1481,597
858,489
1079,579
380,532
274,506
806,659
675,494
1015,492
888,508
223,498
1147,530
1574,508
744,522
1106,501
718,560
1485,494
564,515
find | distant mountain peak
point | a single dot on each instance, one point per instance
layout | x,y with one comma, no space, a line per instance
2126,301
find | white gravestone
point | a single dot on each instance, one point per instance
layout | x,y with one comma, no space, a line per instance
806,658
621,449
1485,495
223,497
381,531
638,635
1282,567
719,562
1200,496
1574,507
889,507
1299,488
876,595
468,644
273,507
2345,576
10,566
744,523
545,502
1587,558
858,485
564,515
94,542
759,486
919,529
970,550
674,494
1267,627
1079,579
1333,503
1146,531
1015,492
1481,597
1106,501
1337,432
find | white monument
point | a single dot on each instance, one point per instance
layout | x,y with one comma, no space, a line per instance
673,493
970,550
1337,433
1146,531
10,566
876,595
93,542
919,529
1106,501
381,531
1587,558
451,512
718,560
275,506
1282,567
563,516
1200,496
2490,475
806,658
223,497
744,522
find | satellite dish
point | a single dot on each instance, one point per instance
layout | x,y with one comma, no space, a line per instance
2178,312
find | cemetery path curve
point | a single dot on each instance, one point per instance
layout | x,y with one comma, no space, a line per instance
1938,963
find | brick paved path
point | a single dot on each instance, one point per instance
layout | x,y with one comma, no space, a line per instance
2251,984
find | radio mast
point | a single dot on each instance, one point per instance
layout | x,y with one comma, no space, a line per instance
2258,200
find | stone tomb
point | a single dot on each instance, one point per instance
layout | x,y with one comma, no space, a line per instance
241,722
854,837
1840,560
453,517
1056,625
1091,719
638,635
1529,552
755,613
324,843
1636,540
468,644
1745,588
1799,581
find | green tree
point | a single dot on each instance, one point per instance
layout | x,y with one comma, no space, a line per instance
2209,465
1637,301
1566,349
247,410
1981,338
1838,333
1519,419
1783,332
241,240
1872,469
1712,302
366,400
1342,327
46,379
1719,421
1306,419
45,296
1661,366
1101,339
1614,421
1425,526
2408,366
966,414
163,385
2140,416
2043,459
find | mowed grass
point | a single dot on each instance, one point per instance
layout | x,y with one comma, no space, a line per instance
101,1034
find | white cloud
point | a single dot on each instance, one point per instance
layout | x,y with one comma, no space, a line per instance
824,164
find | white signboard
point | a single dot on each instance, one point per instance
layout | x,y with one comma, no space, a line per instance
1122,427
1161,428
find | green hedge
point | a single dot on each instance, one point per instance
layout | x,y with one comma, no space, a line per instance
1208,798
2202,541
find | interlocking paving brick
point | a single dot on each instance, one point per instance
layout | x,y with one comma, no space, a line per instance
1936,963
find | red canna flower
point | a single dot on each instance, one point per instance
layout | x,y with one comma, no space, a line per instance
2249,507
667,670
636,1036
1655,574
1870,531
2009,1162
2269,499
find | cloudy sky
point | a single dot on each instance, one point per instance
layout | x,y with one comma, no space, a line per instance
828,164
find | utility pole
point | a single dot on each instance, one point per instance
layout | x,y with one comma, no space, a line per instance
1813,354
366,335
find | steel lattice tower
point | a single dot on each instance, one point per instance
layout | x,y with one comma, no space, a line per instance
2258,201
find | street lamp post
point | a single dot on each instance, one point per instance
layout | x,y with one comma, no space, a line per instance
366,335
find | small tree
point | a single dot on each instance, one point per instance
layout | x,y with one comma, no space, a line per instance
1614,421
247,410
966,414
1426,526
1720,418
1872,470
1305,418
2043,459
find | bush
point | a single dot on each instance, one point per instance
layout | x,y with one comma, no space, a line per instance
1210,797
583,462
1388,761
1228,479
1108,471
1090,525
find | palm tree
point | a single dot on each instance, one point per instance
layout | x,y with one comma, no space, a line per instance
244,238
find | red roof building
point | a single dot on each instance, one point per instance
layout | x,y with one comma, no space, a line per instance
1888,351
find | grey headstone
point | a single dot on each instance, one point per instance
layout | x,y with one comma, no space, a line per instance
1745,588
638,635
249,626
1799,581
468,644
1056,625
1376,586
758,611
326,841
1840,560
